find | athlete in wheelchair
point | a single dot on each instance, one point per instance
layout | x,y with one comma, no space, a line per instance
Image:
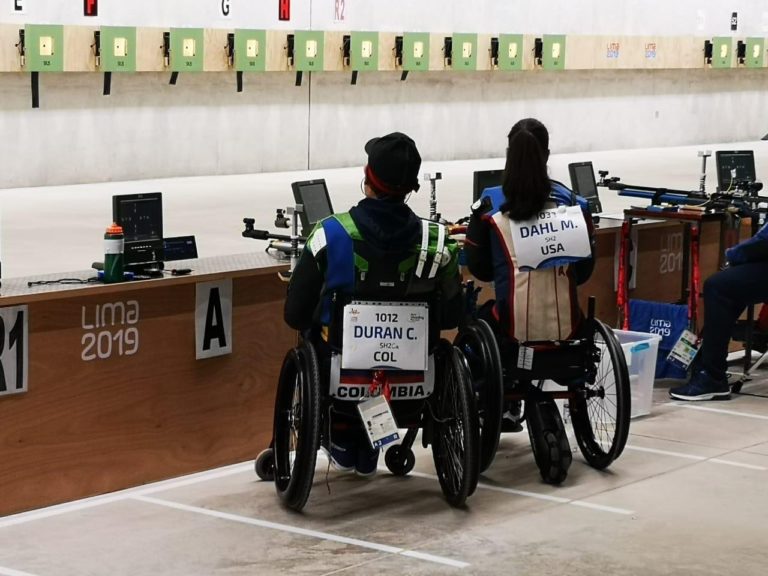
534,238
370,293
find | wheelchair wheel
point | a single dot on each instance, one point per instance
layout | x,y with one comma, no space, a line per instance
549,442
601,411
265,465
478,344
400,460
297,426
455,441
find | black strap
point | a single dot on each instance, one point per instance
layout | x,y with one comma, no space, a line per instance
354,78
35,89
174,78
107,83
298,78
239,80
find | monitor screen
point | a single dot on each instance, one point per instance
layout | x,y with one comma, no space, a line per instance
583,179
179,248
141,216
733,166
583,183
483,179
313,195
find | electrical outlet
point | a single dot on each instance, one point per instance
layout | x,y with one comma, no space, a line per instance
120,47
723,50
252,48
466,50
512,50
311,49
418,49
188,47
366,49
756,48
555,50
46,46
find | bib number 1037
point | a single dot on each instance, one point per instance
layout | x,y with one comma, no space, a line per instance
14,334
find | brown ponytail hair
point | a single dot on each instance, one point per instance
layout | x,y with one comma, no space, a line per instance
526,183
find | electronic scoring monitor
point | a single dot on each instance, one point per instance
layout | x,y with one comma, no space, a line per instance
141,217
584,184
734,166
483,179
179,248
313,195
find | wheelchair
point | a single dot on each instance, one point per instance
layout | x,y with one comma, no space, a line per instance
592,371
307,404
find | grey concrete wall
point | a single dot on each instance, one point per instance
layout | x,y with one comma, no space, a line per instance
148,129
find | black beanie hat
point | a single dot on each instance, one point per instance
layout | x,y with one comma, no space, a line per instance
393,164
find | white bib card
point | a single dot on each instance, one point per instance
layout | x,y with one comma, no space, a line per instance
557,235
389,336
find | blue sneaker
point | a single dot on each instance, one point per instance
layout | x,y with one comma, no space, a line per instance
343,457
702,387
367,460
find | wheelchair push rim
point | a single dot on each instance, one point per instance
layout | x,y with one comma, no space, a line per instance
600,409
455,443
478,345
297,426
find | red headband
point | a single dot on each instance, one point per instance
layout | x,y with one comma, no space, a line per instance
381,186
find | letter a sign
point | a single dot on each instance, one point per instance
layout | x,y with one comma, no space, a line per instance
213,319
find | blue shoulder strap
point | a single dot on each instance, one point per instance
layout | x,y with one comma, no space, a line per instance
496,196
340,251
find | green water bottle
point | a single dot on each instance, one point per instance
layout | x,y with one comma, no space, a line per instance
113,254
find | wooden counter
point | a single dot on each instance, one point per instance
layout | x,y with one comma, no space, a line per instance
659,269
89,425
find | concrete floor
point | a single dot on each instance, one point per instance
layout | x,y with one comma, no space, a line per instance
688,496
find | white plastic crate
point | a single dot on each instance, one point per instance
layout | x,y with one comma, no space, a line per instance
640,350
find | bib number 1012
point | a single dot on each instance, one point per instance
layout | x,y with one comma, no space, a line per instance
14,333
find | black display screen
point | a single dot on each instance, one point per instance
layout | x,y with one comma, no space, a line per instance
734,166
483,179
140,215
313,196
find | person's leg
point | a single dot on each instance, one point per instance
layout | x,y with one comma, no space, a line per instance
726,295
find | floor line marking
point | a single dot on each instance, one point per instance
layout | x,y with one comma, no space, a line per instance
122,495
695,457
303,531
720,411
11,572
537,496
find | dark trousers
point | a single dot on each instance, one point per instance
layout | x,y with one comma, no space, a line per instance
726,295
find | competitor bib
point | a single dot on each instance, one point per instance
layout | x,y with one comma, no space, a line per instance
388,336
554,237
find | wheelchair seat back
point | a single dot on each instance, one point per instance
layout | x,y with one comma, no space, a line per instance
389,323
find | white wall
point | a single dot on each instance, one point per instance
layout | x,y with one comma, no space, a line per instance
148,129
661,17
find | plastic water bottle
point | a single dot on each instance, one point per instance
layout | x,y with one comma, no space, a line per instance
113,254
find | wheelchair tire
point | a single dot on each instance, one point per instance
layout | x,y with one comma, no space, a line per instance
549,442
601,412
400,460
478,345
455,441
265,465
297,426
